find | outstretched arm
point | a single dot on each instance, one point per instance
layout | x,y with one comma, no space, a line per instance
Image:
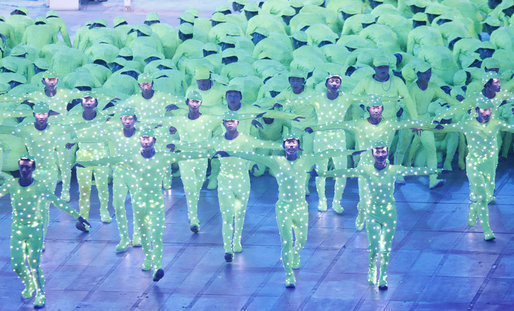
252,156
60,204
345,172
405,171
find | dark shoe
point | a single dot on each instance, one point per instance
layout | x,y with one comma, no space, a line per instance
194,228
158,275
228,257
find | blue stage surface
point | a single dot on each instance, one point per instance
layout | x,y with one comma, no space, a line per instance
438,262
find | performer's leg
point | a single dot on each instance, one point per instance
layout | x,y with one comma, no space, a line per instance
413,151
64,158
300,222
84,181
119,194
193,176
320,186
226,199
507,145
213,177
102,186
404,139
462,151
308,147
373,231
428,141
34,244
156,229
19,251
143,221
285,225
452,142
387,232
339,185
240,211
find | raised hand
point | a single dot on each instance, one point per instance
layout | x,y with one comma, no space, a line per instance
309,130
69,145
257,124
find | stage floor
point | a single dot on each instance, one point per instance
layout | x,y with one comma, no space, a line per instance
437,263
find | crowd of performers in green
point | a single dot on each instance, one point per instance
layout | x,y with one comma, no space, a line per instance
304,89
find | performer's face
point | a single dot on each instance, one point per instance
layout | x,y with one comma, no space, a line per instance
26,168
146,86
291,145
89,102
375,111
128,121
230,125
50,82
484,114
297,84
233,97
333,84
203,83
41,117
494,84
425,76
194,104
380,154
147,142
381,71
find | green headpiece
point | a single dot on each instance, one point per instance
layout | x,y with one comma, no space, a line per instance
202,73
230,115
42,63
188,17
118,20
251,7
292,135
194,95
374,100
379,144
420,17
27,157
51,13
22,9
147,131
40,19
186,28
145,78
41,107
18,51
488,76
219,17
297,73
49,74
382,60
484,102
152,16
421,66
288,11
127,112
209,46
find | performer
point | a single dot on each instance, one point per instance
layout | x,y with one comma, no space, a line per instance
381,215
92,150
481,161
43,140
233,179
367,131
291,208
29,195
194,127
150,168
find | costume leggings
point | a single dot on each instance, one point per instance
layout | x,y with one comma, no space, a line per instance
123,182
49,177
84,178
427,140
193,173
293,222
233,195
64,160
481,187
26,246
340,182
380,240
150,221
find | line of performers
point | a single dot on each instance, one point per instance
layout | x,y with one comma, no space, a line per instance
140,139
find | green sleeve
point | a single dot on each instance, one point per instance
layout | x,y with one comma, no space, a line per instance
60,204
257,143
343,125
103,161
8,129
332,153
251,156
180,156
404,171
345,172
409,103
